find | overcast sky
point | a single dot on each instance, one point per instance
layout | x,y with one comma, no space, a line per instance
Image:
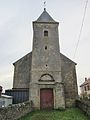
16,18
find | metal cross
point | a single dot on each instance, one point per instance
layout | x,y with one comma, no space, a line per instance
44,5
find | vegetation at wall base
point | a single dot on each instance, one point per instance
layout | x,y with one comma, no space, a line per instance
68,114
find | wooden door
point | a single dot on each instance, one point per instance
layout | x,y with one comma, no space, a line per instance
46,99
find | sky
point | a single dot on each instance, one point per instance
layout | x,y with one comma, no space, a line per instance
16,33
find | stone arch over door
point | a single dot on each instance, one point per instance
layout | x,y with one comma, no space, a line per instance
46,77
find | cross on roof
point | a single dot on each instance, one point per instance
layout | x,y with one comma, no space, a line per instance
44,5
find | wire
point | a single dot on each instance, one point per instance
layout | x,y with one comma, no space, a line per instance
81,28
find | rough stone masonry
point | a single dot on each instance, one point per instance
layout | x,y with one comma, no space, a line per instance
49,76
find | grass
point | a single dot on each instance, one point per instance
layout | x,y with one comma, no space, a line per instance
69,114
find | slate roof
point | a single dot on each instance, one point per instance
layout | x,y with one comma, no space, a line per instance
45,17
86,82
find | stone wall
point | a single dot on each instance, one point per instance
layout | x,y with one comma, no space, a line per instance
22,69
15,111
84,106
68,72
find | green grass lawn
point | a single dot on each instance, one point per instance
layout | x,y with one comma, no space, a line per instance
69,114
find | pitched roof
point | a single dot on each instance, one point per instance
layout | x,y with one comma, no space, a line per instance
45,17
29,55
68,58
25,56
86,82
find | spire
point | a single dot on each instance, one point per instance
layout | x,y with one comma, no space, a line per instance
45,17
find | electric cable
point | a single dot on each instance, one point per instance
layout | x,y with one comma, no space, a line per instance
86,3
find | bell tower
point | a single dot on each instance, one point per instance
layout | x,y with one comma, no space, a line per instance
46,65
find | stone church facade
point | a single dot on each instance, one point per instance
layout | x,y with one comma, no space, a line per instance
48,75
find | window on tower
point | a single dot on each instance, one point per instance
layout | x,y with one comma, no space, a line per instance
46,33
45,47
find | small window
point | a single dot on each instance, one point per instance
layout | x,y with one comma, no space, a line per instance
46,33
46,65
45,47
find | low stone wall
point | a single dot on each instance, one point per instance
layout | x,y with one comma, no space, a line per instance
84,105
15,111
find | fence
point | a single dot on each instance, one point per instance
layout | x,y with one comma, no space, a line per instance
19,95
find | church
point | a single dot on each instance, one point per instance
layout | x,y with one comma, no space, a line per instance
45,76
